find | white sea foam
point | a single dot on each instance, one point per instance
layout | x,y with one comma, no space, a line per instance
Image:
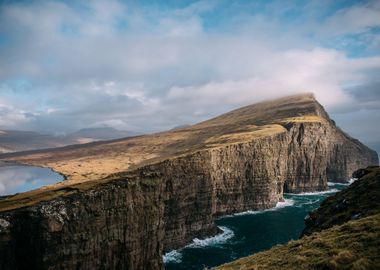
333,190
279,205
285,203
214,240
308,202
173,256
342,184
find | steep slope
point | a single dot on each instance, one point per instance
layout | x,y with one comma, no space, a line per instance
127,201
344,233
295,116
361,199
354,245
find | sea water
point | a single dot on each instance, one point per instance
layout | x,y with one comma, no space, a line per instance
20,178
249,232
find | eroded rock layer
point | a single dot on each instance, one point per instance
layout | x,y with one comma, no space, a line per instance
233,163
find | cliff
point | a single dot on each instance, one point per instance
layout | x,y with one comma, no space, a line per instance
343,233
127,201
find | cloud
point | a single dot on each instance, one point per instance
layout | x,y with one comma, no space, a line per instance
152,67
353,20
12,117
367,94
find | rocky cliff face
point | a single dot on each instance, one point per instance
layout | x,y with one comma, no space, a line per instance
117,225
129,220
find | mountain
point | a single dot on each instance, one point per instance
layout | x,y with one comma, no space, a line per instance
127,201
343,233
102,133
15,141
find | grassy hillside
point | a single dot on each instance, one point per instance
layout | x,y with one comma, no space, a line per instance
353,245
97,160
89,164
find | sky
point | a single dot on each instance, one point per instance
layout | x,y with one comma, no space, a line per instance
148,66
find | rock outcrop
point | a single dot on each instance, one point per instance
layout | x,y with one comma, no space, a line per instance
243,160
360,200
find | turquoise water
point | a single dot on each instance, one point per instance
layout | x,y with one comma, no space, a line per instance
249,232
19,178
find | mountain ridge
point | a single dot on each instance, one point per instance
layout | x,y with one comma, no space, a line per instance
244,124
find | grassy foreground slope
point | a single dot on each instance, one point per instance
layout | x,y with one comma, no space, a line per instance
354,244
360,200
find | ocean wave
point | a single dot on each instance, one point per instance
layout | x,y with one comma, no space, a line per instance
173,256
330,184
279,205
214,240
285,203
308,202
333,190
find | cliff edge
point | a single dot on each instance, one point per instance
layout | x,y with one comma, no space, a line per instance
127,201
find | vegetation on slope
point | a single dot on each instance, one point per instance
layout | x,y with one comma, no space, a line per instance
361,199
87,165
97,160
354,244
91,164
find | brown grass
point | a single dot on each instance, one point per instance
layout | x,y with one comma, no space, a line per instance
95,161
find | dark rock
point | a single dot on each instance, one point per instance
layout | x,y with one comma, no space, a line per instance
360,173
359,200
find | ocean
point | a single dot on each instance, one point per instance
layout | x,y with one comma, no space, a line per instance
249,232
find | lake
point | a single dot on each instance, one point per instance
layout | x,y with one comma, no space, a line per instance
249,232
21,178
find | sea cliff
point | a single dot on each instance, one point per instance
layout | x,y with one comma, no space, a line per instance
243,160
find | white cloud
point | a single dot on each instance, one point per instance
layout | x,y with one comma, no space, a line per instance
161,68
353,20
10,116
321,71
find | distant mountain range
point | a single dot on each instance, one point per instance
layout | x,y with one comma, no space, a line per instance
16,140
